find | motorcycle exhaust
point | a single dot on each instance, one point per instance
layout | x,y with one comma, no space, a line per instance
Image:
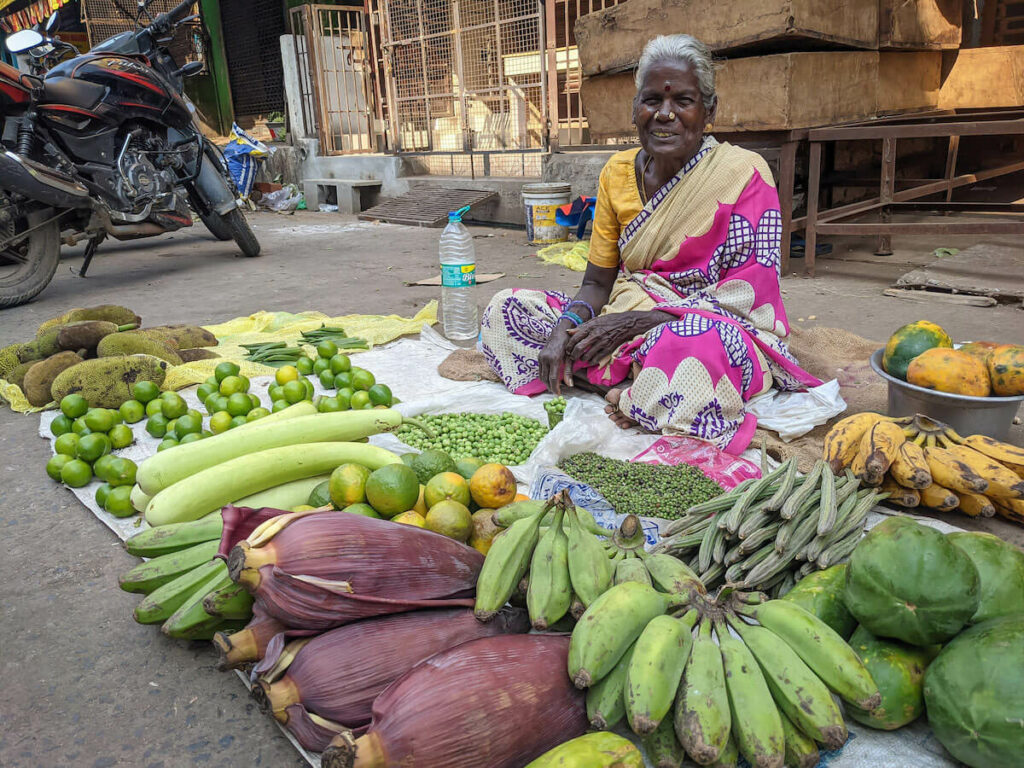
37,182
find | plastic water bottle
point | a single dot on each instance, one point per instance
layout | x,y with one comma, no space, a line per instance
458,282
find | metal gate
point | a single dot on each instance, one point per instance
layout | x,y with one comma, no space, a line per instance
106,18
335,78
466,77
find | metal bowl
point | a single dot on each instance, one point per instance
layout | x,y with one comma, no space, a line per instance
966,414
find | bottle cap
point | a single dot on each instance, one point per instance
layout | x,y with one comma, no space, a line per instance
457,215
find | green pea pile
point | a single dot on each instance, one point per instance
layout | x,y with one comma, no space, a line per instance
556,410
649,490
502,438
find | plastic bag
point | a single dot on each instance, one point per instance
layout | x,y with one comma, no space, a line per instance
571,255
284,200
242,152
793,414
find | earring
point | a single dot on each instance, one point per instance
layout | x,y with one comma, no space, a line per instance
708,127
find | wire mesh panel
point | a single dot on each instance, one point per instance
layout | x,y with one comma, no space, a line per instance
465,76
252,32
106,18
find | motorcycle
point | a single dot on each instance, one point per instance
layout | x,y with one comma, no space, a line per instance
103,144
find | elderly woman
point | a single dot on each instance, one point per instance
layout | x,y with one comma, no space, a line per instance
679,321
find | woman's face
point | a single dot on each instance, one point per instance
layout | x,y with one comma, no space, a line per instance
669,112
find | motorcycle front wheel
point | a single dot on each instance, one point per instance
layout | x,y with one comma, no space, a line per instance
237,228
28,267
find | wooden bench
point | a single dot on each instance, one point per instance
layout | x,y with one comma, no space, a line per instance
348,191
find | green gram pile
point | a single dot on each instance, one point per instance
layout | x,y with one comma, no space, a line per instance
503,438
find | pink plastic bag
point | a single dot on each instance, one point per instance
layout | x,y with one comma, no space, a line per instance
724,468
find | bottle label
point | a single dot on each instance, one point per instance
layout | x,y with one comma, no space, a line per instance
458,275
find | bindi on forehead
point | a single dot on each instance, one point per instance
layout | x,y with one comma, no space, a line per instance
668,87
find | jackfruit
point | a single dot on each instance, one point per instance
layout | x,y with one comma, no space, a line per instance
106,382
84,334
41,347
183,336
136,343
17,374
199,353
112,313
40,376
9,359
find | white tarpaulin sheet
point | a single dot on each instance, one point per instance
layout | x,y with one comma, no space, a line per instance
409,367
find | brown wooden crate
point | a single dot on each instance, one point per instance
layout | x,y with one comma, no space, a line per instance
983,77
920,25
612,39
908,81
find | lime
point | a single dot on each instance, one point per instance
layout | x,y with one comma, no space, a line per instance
276,392
121,436
194,414
101,494
170,427
132,411
295,391
360,400
279,405
205,390
347,485
321,365
101,466
329,405
340,364
60,425
166,443
326,379
343,380
56,464
256,413
310,389
188,425
392,489
304,365
254,400
447,486
91,447
99,419
467,466
212,382
380,394
362,378
245,382
237,421
239,404
121,471
115,414
205,434
76,473
220,403
154,407
362,509
66,443
320,496
410,518
157,425
191,437
224,370
432,462
79,428
145,391
232,385
74,406
344,395
327,349
451,519
285,374
119,502
173,405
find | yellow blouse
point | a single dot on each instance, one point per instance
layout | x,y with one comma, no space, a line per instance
618,203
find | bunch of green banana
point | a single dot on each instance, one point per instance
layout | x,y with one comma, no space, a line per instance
716,677
186,589
770,532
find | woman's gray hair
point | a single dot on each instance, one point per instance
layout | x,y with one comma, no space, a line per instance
680,49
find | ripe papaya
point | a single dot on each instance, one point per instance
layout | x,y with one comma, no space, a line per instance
974,694
909,342
821,593
1000,567
1006,369
950,370
898,671
909,582
979,349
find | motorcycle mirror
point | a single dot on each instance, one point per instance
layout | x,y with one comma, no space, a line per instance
51,22
190,69
24,40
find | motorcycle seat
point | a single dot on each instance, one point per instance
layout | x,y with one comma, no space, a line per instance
72,92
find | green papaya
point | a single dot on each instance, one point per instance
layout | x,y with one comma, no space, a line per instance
974,694
898,670
909,582
601,749
1001,570
821,593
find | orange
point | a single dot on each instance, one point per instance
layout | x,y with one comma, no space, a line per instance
484,531
410,518
421,503
451,519
446,486
493,486
521,497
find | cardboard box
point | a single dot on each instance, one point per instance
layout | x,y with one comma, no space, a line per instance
760,93
908,81
920,24
983,77
612,39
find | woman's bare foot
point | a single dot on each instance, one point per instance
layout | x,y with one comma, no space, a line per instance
622,421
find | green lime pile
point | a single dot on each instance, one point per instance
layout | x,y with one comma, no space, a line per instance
556,410
648,490
504,438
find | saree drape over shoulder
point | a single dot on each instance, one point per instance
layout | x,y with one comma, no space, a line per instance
705,249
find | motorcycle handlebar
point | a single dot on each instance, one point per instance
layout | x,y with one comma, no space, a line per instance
180,9
165,21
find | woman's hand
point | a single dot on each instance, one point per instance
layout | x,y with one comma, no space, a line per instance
553,357
598,338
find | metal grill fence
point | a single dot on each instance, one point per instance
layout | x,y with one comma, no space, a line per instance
106,18
252,32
